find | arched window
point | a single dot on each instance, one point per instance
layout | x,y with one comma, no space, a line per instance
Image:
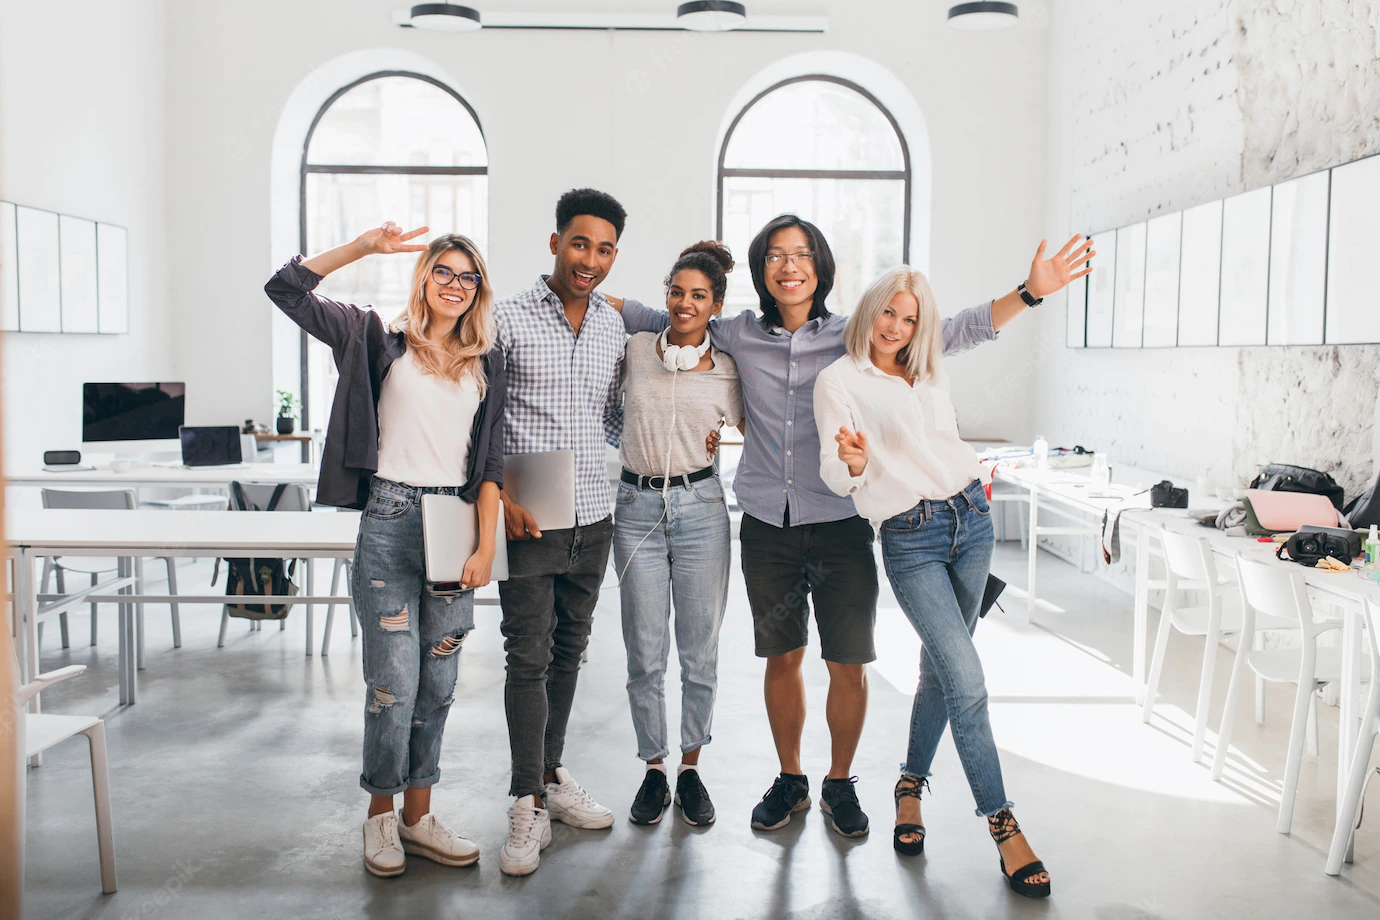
828,150
393,146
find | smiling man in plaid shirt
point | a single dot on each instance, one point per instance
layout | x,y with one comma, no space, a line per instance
564,349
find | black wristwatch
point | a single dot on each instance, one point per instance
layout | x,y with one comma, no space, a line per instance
1030,299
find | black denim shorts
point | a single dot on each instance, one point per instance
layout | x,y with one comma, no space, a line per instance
831,562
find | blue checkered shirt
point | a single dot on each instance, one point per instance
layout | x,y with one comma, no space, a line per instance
563,388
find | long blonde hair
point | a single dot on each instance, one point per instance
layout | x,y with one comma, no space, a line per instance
922,356
462,351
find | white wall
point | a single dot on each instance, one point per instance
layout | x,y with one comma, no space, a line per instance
633,113
1157,107
82,130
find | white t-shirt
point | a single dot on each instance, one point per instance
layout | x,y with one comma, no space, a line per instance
914,451
424,426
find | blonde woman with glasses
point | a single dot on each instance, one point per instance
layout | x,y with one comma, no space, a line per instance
418,409
896,450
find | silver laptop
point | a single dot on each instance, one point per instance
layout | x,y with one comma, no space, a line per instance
544,484
450,535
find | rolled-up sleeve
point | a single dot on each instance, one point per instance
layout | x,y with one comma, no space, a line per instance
292,290
831,414
638,317
498,398
968,329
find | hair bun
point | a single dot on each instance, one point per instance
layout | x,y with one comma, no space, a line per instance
716,250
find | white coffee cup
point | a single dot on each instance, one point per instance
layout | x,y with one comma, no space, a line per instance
120,466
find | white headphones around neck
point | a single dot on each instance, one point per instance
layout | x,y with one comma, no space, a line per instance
681,357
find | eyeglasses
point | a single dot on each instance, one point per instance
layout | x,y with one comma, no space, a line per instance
443,276
774,258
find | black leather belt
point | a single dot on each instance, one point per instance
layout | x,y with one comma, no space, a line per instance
659,482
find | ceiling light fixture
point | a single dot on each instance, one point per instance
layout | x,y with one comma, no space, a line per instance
711,15
983,17
445,17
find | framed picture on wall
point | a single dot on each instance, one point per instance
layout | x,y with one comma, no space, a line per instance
1076,327
1353,244
1100,291
1128,308
77,261
1162,238
1245,268
1298,261
9,274
40,283
1200,273
112,277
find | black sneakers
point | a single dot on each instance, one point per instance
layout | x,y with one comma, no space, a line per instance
693,799
652,798
839,799
788,794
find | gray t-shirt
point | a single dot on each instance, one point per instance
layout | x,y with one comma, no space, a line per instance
702,399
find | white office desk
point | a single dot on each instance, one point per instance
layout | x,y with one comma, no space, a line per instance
144,475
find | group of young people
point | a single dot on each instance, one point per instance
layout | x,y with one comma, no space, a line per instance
849,433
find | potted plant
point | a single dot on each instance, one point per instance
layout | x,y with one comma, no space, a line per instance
287,412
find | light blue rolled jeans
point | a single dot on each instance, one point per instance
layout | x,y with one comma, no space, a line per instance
937,556
679,559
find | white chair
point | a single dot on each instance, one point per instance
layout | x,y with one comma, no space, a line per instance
123,500
1348,809
44,731
1190,566
346,566
259,495
1273,589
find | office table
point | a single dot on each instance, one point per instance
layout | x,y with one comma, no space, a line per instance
148,475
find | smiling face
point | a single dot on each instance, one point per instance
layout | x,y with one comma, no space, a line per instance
584,253
895,327
447,304
690,302
790,282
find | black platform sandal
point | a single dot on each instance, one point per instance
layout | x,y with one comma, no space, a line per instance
1003,827
908,787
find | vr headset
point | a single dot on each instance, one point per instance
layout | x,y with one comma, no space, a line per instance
1311,544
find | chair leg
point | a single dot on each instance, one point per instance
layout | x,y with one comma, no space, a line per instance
100,782
1310,741
330,608
1204,694
1259,684
1356,779
224,623
94,579
1156,664
354,616
139,613
172,589
1234,687
1297,729
62,617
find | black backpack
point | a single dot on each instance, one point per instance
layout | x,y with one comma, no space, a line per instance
246,577
1282,477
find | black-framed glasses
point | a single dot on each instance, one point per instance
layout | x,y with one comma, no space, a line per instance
774,258
443,276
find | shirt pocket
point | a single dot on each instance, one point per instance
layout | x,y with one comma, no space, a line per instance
941,408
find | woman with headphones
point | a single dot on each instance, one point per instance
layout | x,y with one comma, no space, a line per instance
671,538
418,409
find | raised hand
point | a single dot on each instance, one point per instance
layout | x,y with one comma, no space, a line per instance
1068,264
852,450
390,238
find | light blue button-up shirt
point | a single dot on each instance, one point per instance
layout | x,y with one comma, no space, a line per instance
780,465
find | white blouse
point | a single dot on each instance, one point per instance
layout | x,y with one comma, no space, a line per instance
913,448
424,425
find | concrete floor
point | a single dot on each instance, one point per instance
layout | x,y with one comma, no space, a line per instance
235,787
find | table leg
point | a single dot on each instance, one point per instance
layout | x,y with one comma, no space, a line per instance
28,588
1142,609
121,613
132,638
1347,729
1033,549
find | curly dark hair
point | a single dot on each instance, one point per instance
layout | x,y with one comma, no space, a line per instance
593,202
709,257
824,266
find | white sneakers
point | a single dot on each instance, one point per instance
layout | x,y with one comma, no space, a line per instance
383,852
569,804
438,843
387,840
529,832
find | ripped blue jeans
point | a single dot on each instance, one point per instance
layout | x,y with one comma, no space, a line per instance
411,642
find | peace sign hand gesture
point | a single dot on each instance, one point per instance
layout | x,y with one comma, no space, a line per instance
389,239
852,450
1068,264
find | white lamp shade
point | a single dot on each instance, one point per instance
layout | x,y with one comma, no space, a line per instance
711,15
983,17
445,17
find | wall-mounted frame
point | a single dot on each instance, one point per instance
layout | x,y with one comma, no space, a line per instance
1076,325
1288,264
60,273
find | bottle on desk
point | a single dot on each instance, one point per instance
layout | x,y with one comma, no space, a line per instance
1100,474
1372,548
1041,451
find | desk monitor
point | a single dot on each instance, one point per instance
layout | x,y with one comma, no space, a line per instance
131,416
210,446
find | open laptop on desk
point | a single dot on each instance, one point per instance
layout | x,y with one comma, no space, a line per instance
217,445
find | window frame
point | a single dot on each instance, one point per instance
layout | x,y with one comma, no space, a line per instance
307,169
903,174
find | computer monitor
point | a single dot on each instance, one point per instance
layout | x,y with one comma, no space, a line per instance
123,417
